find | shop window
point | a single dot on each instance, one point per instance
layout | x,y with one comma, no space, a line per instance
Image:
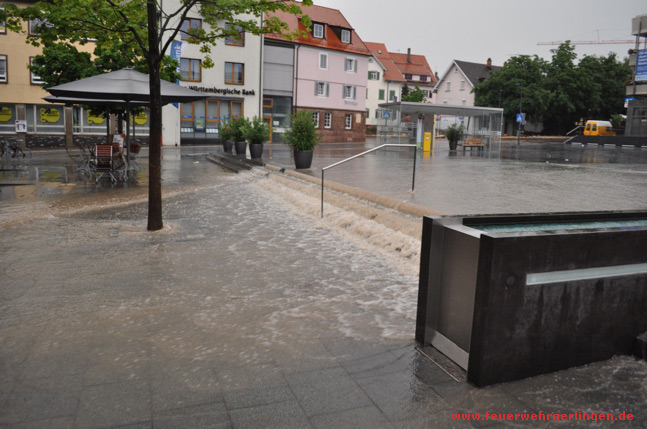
213,111
328,120
268,103
34,78
187,25
349,122
7,117
315,119
239,39
190,69
3,27
235,73
3,69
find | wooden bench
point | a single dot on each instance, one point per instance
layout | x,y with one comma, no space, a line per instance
473,143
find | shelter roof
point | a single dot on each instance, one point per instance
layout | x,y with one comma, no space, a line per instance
410,108
334,22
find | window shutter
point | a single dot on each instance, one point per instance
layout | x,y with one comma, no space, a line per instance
354,93
327,90
370,74
378,75
316,88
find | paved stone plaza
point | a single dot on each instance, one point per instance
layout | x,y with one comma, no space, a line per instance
246,310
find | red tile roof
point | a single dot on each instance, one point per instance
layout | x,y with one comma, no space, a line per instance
417,66
397,65
391,73
333,19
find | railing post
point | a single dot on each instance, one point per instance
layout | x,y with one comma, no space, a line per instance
415,156
322,190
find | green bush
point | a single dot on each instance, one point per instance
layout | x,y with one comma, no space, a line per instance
225,131
256,131
237,125
303,133
454,133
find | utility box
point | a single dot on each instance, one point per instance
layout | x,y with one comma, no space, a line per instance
510,297
427,145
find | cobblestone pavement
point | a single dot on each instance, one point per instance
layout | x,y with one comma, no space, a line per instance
244,311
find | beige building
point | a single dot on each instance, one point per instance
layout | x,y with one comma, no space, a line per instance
21,96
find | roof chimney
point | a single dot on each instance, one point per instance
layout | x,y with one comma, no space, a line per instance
489,63
409,55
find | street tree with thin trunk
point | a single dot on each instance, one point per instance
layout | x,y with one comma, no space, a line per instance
151,25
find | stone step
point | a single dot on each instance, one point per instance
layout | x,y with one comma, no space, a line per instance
230,162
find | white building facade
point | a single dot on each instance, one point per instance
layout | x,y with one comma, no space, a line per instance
233,84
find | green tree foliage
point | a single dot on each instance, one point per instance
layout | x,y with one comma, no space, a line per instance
61,63
415,96
142,23
559,93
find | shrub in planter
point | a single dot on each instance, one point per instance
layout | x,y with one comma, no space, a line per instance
302,137
226,136
453,134
237,134
256,132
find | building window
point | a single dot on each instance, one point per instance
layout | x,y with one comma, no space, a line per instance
462,85
423,78
318,31
3,27
235,73
448,87
323,61
345,36
464,102
349,91
315,119
408,77
239,39
350,65
36,24
391,95
349,121
381,96
373,75
190,69
188,24
34,78
321,89
3,69
328,120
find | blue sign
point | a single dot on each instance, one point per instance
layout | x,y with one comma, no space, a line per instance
176,53
386,115
627,100
641,65
521,117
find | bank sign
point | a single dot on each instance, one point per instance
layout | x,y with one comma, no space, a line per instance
641,66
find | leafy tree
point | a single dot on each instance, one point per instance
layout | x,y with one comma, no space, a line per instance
416,96
62,63
523,76
405,91
559,93
144,24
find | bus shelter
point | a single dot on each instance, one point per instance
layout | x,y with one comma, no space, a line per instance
408,122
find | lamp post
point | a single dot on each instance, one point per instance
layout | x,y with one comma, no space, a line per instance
520,85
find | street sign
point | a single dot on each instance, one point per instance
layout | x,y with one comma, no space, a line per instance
386,115
627,100
521,117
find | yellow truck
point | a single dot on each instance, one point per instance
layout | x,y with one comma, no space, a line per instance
598,128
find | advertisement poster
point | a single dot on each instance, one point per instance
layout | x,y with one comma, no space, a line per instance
641,66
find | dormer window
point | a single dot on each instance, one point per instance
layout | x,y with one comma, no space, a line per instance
345,36
423,78
318,31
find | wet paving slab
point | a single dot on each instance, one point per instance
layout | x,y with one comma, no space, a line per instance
242,312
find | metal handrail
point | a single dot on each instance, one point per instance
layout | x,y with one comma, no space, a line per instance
413,181
574,129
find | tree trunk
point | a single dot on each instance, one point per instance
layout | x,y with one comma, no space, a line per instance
155,135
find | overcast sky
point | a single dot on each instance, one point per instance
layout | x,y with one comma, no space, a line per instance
473,30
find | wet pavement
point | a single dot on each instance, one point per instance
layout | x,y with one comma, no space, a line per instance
246,310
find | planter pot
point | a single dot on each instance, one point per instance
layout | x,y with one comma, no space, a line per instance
256,150
228,146
453,145
241,148
303,158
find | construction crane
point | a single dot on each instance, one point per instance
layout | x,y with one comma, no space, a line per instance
591,42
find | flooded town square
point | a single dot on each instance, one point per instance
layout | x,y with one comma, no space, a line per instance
248,309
